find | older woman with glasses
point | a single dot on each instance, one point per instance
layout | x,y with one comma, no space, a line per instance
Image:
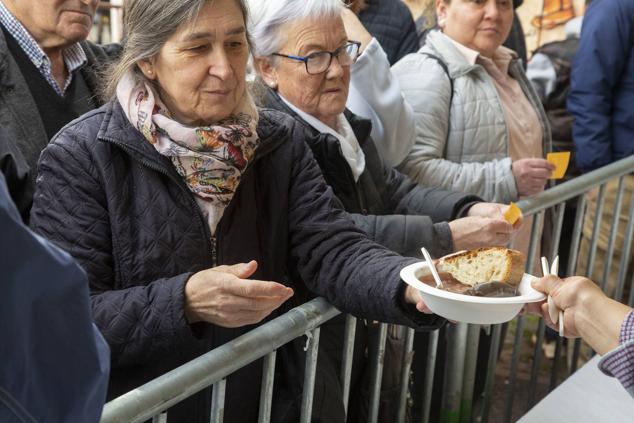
303,56
196,216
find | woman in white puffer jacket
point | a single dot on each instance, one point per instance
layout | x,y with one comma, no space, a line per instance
480,127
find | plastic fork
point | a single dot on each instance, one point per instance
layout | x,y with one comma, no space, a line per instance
556,315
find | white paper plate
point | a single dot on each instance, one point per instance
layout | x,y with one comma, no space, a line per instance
467,308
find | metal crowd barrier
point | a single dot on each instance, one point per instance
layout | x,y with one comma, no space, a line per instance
151,400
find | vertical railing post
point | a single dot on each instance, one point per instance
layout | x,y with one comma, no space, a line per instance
559,221
490,378
348,354
430,368
519,329
218,401
266,392
377,374
408,355
607,260
309,376
454,372
470,367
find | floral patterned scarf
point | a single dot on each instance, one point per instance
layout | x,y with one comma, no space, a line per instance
210,159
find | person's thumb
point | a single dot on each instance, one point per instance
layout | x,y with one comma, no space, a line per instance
546,284
240,270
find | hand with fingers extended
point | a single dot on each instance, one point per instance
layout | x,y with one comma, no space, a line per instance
587,311
494,211
225,297
531,175
476,231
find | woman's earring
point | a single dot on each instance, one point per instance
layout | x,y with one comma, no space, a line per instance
442,22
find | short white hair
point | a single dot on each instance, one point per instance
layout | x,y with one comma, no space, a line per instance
268,17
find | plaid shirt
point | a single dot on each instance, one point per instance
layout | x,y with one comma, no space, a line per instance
620,361
74,56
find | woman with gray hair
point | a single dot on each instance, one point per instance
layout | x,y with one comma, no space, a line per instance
303,55
184,203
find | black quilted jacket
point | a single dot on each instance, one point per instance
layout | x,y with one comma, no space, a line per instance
392,24
386,204
105,195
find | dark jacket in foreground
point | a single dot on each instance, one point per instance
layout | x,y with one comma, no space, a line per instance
392,24
601,98
21,121
121,209
386,204
53,361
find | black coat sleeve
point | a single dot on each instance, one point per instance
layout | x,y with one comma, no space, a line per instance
17,175
71,210
337,260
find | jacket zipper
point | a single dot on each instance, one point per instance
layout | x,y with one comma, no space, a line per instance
211,241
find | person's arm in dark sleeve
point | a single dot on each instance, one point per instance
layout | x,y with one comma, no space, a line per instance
17,176
604,46
409,42
55,362
337,261
70,209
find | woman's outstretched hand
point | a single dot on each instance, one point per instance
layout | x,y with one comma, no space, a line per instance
225,297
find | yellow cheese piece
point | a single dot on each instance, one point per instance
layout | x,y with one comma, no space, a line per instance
513,213
560,160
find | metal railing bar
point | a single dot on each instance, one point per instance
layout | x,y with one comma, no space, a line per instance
613,232
625,253
598,215
631,302
576,236
348,353
430,368
490,378
470,365
309,377
160,418
517,345
408,356
218,401
266,392
576,186
377,362
555,370
161,393
454,372
559,221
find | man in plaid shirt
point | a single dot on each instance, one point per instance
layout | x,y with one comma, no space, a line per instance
47,78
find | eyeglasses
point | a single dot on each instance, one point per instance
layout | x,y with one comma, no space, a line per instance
320,61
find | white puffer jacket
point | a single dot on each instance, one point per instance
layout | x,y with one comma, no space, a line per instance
462,146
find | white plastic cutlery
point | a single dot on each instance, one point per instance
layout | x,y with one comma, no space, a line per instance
556,315
432,268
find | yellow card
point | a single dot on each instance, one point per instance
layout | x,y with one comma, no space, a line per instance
560,160
513,213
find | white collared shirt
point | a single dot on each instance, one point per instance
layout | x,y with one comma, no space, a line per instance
350,147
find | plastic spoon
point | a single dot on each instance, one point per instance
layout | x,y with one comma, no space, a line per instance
432,268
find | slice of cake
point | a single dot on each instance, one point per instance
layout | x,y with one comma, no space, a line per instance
493,264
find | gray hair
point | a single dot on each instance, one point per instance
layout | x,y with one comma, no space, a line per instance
148,25
268,17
